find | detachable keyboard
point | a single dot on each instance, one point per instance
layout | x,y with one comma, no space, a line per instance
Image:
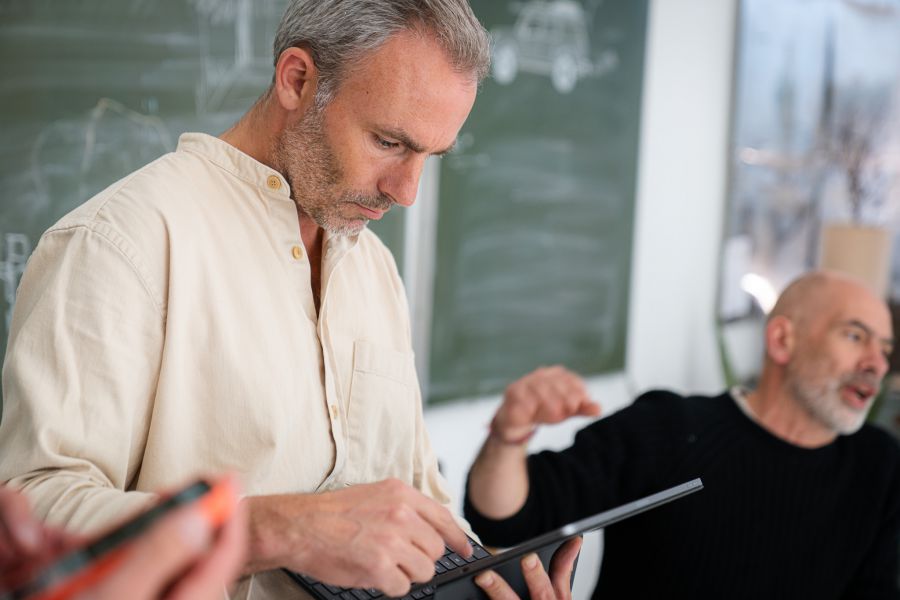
448,562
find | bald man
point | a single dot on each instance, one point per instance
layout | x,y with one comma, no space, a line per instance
801,498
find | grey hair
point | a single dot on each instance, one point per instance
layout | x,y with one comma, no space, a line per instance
339,33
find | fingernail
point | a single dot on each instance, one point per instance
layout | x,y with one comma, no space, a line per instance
531,561
195,530
485,580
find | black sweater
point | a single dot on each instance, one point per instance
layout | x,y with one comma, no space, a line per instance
773,520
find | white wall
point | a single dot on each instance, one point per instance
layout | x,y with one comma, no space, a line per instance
681,191
678,225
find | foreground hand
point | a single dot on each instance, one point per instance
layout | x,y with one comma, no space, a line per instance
546,395
25,543
556,586
180,558
383,535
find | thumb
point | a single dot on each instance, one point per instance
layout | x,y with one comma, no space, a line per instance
589,408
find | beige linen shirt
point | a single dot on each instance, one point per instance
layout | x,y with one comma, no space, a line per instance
167,328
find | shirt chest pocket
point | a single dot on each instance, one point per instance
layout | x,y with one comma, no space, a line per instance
381,415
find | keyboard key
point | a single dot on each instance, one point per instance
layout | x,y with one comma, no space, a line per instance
347,596
374,593
361,594
480,552
332,589
439,568
428,590
456,558
448,564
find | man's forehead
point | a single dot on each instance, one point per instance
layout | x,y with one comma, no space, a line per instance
407,86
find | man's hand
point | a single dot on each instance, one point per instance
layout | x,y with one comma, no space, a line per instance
546,395
25,543
180,557
540,585
383,535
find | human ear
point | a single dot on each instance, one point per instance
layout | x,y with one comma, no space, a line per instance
780,339
296,77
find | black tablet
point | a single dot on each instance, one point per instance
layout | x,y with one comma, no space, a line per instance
457,583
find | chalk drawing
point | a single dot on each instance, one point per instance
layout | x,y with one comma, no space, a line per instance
549,38
17,248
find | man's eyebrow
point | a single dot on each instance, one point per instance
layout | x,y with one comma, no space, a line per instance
869,331
405,139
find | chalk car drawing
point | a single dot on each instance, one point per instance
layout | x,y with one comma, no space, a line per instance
548,38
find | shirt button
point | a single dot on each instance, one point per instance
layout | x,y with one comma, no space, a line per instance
296,252
334,412
273,182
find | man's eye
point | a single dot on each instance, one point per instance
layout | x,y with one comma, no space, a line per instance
385,143
854,336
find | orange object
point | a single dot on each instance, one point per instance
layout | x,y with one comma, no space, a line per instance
82,568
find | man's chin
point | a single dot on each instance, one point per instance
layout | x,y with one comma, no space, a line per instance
349,228
851,421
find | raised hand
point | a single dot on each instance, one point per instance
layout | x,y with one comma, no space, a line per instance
546,395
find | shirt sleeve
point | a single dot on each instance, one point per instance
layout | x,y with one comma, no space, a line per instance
79,378
427,477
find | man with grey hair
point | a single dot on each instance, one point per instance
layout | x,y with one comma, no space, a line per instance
225,309
801,498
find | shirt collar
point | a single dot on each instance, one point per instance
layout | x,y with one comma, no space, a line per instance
239,164
247,168
739,393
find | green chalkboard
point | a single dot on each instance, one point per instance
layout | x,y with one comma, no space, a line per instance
91,90
537,204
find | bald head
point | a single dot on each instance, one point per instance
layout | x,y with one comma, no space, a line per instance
817,294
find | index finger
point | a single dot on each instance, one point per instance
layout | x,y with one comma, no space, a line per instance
589,408
443,522
574,385
576,392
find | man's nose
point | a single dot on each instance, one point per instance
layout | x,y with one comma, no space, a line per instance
875,361
402,182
